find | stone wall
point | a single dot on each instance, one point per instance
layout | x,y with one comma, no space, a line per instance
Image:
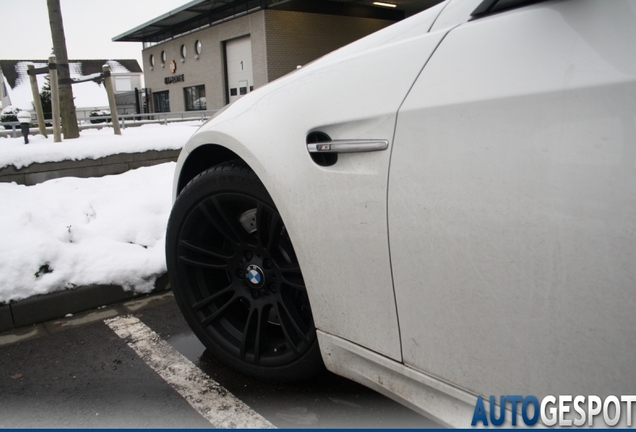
114,164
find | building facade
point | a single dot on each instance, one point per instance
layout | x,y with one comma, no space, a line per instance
209,53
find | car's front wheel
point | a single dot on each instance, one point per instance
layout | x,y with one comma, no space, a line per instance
236,277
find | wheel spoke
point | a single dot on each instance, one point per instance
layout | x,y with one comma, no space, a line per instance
294,319
261,228
231,222
246,331
217,313
285,325
255,326
268,227
207,250
296,282
290,268
218,222
206,301
202,264
261,333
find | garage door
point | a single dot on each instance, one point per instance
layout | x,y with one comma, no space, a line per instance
238,64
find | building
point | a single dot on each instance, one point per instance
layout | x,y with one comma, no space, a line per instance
15,88
209,53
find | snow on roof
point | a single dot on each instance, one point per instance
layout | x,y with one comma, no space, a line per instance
87,95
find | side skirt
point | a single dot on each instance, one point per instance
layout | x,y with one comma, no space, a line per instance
425,394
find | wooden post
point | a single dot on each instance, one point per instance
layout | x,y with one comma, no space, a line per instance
37,102
55,100
108,83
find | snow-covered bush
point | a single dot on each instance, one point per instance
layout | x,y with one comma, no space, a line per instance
9,114
100,113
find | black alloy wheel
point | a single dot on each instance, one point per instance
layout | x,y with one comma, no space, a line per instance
236,277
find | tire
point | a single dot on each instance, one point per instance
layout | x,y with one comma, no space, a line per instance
236,278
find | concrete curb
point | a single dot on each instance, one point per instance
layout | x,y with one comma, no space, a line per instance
108,165
41,308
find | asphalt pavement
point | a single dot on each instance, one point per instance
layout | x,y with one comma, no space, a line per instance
78,372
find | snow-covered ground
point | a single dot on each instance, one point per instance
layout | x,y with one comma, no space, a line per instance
70,232
95,143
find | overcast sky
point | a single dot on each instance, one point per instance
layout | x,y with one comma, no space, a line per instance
89,26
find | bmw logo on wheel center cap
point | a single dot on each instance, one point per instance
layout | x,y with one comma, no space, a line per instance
254,275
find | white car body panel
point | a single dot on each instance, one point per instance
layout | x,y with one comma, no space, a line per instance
345,260
506,223
455,13
512,204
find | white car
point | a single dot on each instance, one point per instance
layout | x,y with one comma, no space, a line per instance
443,210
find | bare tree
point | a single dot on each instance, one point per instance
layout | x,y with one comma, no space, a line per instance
67,105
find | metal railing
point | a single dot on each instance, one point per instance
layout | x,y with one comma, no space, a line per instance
125,121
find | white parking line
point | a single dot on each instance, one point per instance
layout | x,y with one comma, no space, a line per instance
220,407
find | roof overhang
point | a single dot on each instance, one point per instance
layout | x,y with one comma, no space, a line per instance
202,13
166,21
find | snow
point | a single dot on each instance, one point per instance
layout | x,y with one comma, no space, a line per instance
94,143
116,67
71,232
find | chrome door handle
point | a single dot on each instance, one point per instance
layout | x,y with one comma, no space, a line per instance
348,146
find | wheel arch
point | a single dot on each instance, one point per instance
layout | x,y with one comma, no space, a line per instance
201,158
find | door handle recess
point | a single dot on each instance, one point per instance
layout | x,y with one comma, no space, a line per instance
348,146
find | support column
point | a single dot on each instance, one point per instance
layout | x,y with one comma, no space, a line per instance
37,102
55,100
108,83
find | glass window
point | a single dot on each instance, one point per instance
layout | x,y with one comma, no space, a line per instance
161,101
195,98
197,47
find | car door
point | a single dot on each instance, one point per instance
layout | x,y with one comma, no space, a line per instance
512,203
